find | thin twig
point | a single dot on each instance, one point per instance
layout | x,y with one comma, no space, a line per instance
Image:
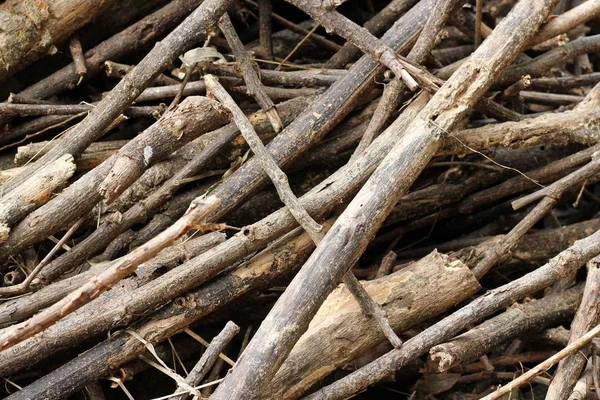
544,366
24,286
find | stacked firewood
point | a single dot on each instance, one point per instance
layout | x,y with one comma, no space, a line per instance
321,199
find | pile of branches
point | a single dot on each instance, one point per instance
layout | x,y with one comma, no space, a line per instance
320,199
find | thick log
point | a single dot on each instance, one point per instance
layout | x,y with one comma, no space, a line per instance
339,332
37,190
31,29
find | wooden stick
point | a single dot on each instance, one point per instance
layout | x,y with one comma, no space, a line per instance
35,192
518,320
348,238
105,280
210,355
253,84
30,30
587,315
554,190
190,31
360,37
277,176
376,25
78,57
546,365
24,286
562,265
265,28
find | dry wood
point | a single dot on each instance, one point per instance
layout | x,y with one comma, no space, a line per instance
265,9
577,126
24,307
348,238
190,31
23,287
37,190
320,200
260,272
362,38
253,85
69,109
78,57
550,196
560,185
566,21
140,34
139,212
117,70
331,107
175,130
29,152
392,93
339,333
580,390
176,127
202,367
101,282
544,366
291,79
572,366
280,181
298,29
31,29
558,267
277,176
376,25
520,318
445,145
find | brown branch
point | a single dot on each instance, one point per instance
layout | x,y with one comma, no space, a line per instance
190,31
277,176
253,84
518,320
298,29
558,187
319,201
35,191
376,25
587,315
546,365
265,28
23,287
68,109
105,280
194,116
347,239
142,33
30,30
562,265
78,57
550,196
202,367
362,38
180,127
